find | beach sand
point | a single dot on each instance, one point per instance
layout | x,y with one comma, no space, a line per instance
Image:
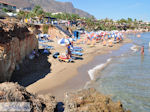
64,77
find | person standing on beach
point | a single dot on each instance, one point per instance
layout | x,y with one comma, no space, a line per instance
68,51
142,50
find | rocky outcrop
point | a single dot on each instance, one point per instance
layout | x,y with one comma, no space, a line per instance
82,101
90,101
10,92
16,42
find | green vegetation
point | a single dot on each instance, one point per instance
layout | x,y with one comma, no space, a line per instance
21,14
36,12
89,23
109,24
5,10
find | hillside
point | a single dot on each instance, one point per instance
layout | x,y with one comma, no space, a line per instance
49,6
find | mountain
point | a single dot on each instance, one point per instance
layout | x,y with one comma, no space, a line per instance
49,6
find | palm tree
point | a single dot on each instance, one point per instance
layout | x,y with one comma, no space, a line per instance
22,15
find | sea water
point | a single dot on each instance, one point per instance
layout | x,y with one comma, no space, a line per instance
127,76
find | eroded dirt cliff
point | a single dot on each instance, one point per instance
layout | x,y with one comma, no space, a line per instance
16,42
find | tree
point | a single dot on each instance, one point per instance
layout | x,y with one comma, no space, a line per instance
21,14
48,14
75,17
130,20
38,11
31,15
5,10
122,21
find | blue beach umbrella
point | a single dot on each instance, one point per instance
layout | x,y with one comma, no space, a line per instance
63,41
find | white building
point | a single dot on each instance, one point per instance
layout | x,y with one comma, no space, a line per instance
56,13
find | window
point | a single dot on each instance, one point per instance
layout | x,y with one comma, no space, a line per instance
14,7
5,5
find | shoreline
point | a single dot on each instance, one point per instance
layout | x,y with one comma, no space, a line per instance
65,79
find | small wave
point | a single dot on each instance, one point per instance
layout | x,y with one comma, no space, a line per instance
98,67
134,48
122,54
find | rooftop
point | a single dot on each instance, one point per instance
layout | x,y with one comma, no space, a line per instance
7,3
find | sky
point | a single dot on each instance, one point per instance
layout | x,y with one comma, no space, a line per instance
115,9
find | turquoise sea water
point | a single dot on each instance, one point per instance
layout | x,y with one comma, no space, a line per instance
127,77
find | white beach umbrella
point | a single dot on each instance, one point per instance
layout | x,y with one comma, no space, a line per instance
70,39
63,41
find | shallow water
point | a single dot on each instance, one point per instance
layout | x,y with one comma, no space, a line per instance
127,76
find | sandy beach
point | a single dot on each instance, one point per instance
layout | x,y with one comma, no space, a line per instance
64,77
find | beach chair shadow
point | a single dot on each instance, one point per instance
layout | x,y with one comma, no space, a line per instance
32,70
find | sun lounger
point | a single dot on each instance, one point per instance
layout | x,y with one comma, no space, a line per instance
49,47
76,53
46,46
77,49
43,41
88,42
114,42
104,43
91,45
110,43
118,41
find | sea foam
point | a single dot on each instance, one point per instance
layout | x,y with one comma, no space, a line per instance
98,67
134,48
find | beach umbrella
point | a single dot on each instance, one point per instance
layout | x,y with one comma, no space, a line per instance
88,35
70,39
46,35
92,34
43,35
63,41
